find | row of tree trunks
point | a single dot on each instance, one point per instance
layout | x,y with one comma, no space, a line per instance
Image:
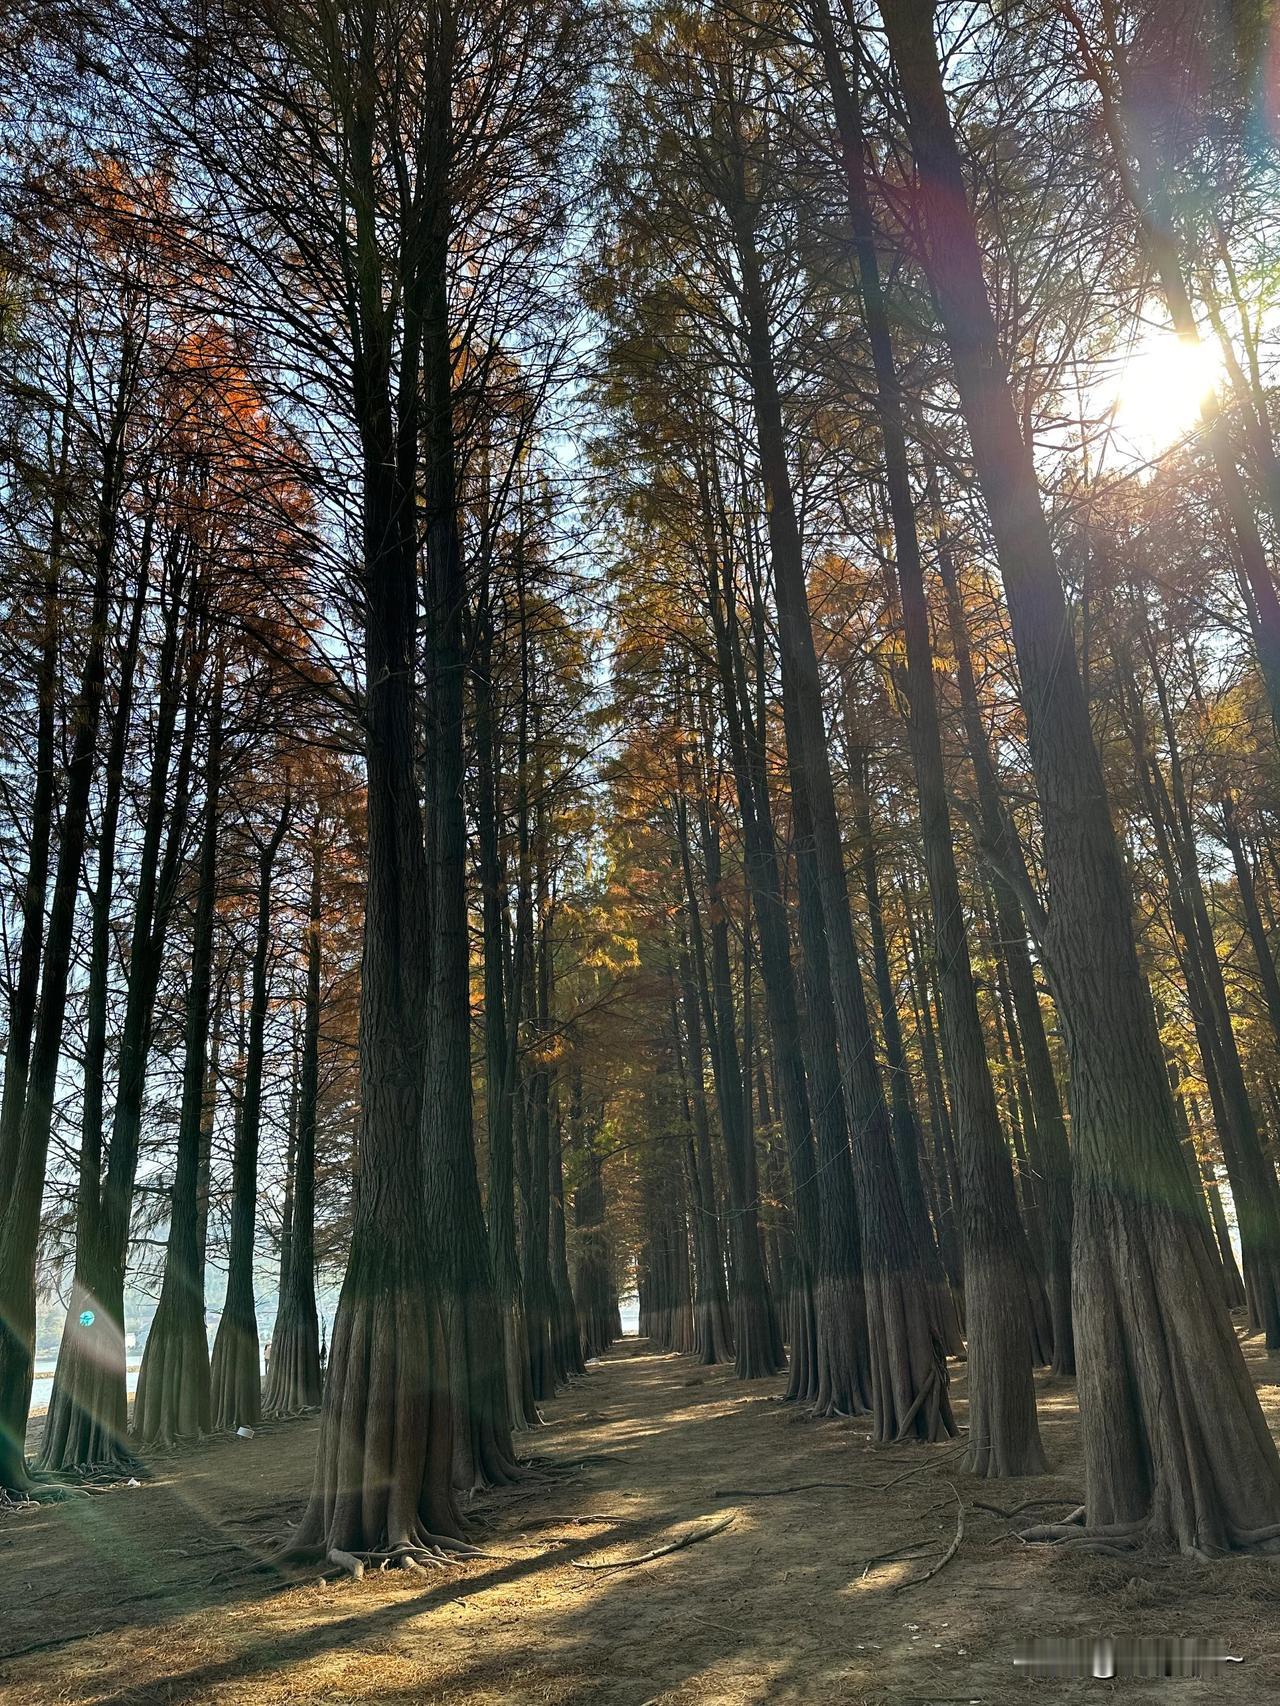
1201,1473
28,1148
173,1400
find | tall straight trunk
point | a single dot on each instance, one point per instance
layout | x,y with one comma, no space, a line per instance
1051,1155
1268,976
208,1118
235,1369
944,1163
1253,1181
567,1348
1004,1438
907,1145
384,1468
828,1360
713,1334
500,1030
753,1327
1200,1473
173,1399
908,1366
20,1221
293,1375
546,1360
86,1422
102,937
591,1290
483,1453
26,983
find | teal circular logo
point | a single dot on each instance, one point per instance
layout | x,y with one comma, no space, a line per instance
87,1317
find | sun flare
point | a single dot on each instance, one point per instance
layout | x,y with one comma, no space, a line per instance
1161,392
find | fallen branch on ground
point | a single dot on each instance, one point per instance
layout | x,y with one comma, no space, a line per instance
691,1538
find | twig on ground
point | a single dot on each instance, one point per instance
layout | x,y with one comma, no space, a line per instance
777,1492
690,1538
883,1487
948,1555
578,1521
869,1564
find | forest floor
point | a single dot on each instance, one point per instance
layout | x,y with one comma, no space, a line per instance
165,1592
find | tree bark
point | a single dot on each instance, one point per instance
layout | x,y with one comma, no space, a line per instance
293,1381
1175,1445
173,1400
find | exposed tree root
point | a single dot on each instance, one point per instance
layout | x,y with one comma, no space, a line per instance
428,1551
40,1492
1116,1539
911,1551
1016,1510
947,1556
915,1469
777,1492
690,1538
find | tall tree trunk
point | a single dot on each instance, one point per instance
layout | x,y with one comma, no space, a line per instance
293,1375
591,1293
752,1307
173,1399
713,1334
26,984
1200,1473
1051,1155
87,1418
500,1030
20,1222
235,1371
567,1345
906,1128
750,766
908,1366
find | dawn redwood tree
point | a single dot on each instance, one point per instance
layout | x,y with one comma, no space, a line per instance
712,1322
1000,1281
173,1396
87,1418
754,1330
35,884
1051,1154
907,1143
293,1382
1201,1474
234,1376
20,1221
591,1266
908,1369
343,204
483,1453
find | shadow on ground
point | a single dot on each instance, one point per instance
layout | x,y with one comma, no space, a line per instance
166,1592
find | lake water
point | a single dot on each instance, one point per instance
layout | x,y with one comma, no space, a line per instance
43,1378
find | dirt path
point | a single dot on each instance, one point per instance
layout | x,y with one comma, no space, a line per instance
161,1592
